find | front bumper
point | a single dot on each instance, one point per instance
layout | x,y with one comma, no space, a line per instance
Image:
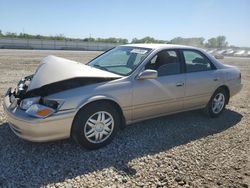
55,127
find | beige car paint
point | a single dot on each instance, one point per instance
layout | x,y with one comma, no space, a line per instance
139,99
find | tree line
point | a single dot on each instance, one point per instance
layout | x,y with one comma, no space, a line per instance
61,37
215,42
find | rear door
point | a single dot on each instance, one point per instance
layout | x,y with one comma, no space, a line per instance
202,79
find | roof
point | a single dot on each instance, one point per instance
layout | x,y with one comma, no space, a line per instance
158,46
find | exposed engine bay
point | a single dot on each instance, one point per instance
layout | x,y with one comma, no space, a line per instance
21,91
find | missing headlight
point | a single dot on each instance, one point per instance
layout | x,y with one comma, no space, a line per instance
55,104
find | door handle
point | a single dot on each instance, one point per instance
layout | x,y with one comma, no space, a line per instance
216,79
179,84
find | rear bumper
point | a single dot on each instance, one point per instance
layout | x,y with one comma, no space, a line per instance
55,127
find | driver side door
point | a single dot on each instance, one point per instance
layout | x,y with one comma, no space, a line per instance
161,95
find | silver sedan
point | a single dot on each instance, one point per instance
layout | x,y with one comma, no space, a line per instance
124,85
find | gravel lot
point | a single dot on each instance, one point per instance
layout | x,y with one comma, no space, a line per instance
182,150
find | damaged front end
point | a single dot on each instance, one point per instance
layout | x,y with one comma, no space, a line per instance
37,109
22,87
34,101
35,106
52,76
16,95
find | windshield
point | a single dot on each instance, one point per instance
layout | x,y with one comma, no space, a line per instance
121,60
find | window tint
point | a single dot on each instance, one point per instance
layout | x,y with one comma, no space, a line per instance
195,62
165,62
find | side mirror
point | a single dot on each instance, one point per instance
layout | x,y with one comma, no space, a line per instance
147,74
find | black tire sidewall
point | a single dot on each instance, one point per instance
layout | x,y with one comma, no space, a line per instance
83,115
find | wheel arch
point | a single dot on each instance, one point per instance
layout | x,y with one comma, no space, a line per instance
102,98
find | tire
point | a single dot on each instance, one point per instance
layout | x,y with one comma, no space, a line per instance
210,109
95,125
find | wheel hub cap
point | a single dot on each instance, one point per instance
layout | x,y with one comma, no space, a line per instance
99,127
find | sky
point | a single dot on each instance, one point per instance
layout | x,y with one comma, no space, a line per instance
161,19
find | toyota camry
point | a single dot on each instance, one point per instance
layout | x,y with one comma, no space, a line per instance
129,83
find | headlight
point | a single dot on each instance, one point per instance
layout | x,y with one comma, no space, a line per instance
26,103
40,107
40,111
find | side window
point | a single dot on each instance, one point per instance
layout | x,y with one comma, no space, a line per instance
195,62
166,63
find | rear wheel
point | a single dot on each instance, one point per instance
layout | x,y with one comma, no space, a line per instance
217,103
95,125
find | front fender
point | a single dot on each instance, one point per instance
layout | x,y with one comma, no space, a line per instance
96,98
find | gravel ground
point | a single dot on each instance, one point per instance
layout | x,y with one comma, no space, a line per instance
182,150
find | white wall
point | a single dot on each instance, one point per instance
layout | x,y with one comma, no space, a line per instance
53,44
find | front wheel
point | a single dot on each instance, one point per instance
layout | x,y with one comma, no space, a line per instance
95,125
217,103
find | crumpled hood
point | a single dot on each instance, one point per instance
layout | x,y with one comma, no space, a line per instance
54,69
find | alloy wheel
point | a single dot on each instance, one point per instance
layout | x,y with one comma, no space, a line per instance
218,103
